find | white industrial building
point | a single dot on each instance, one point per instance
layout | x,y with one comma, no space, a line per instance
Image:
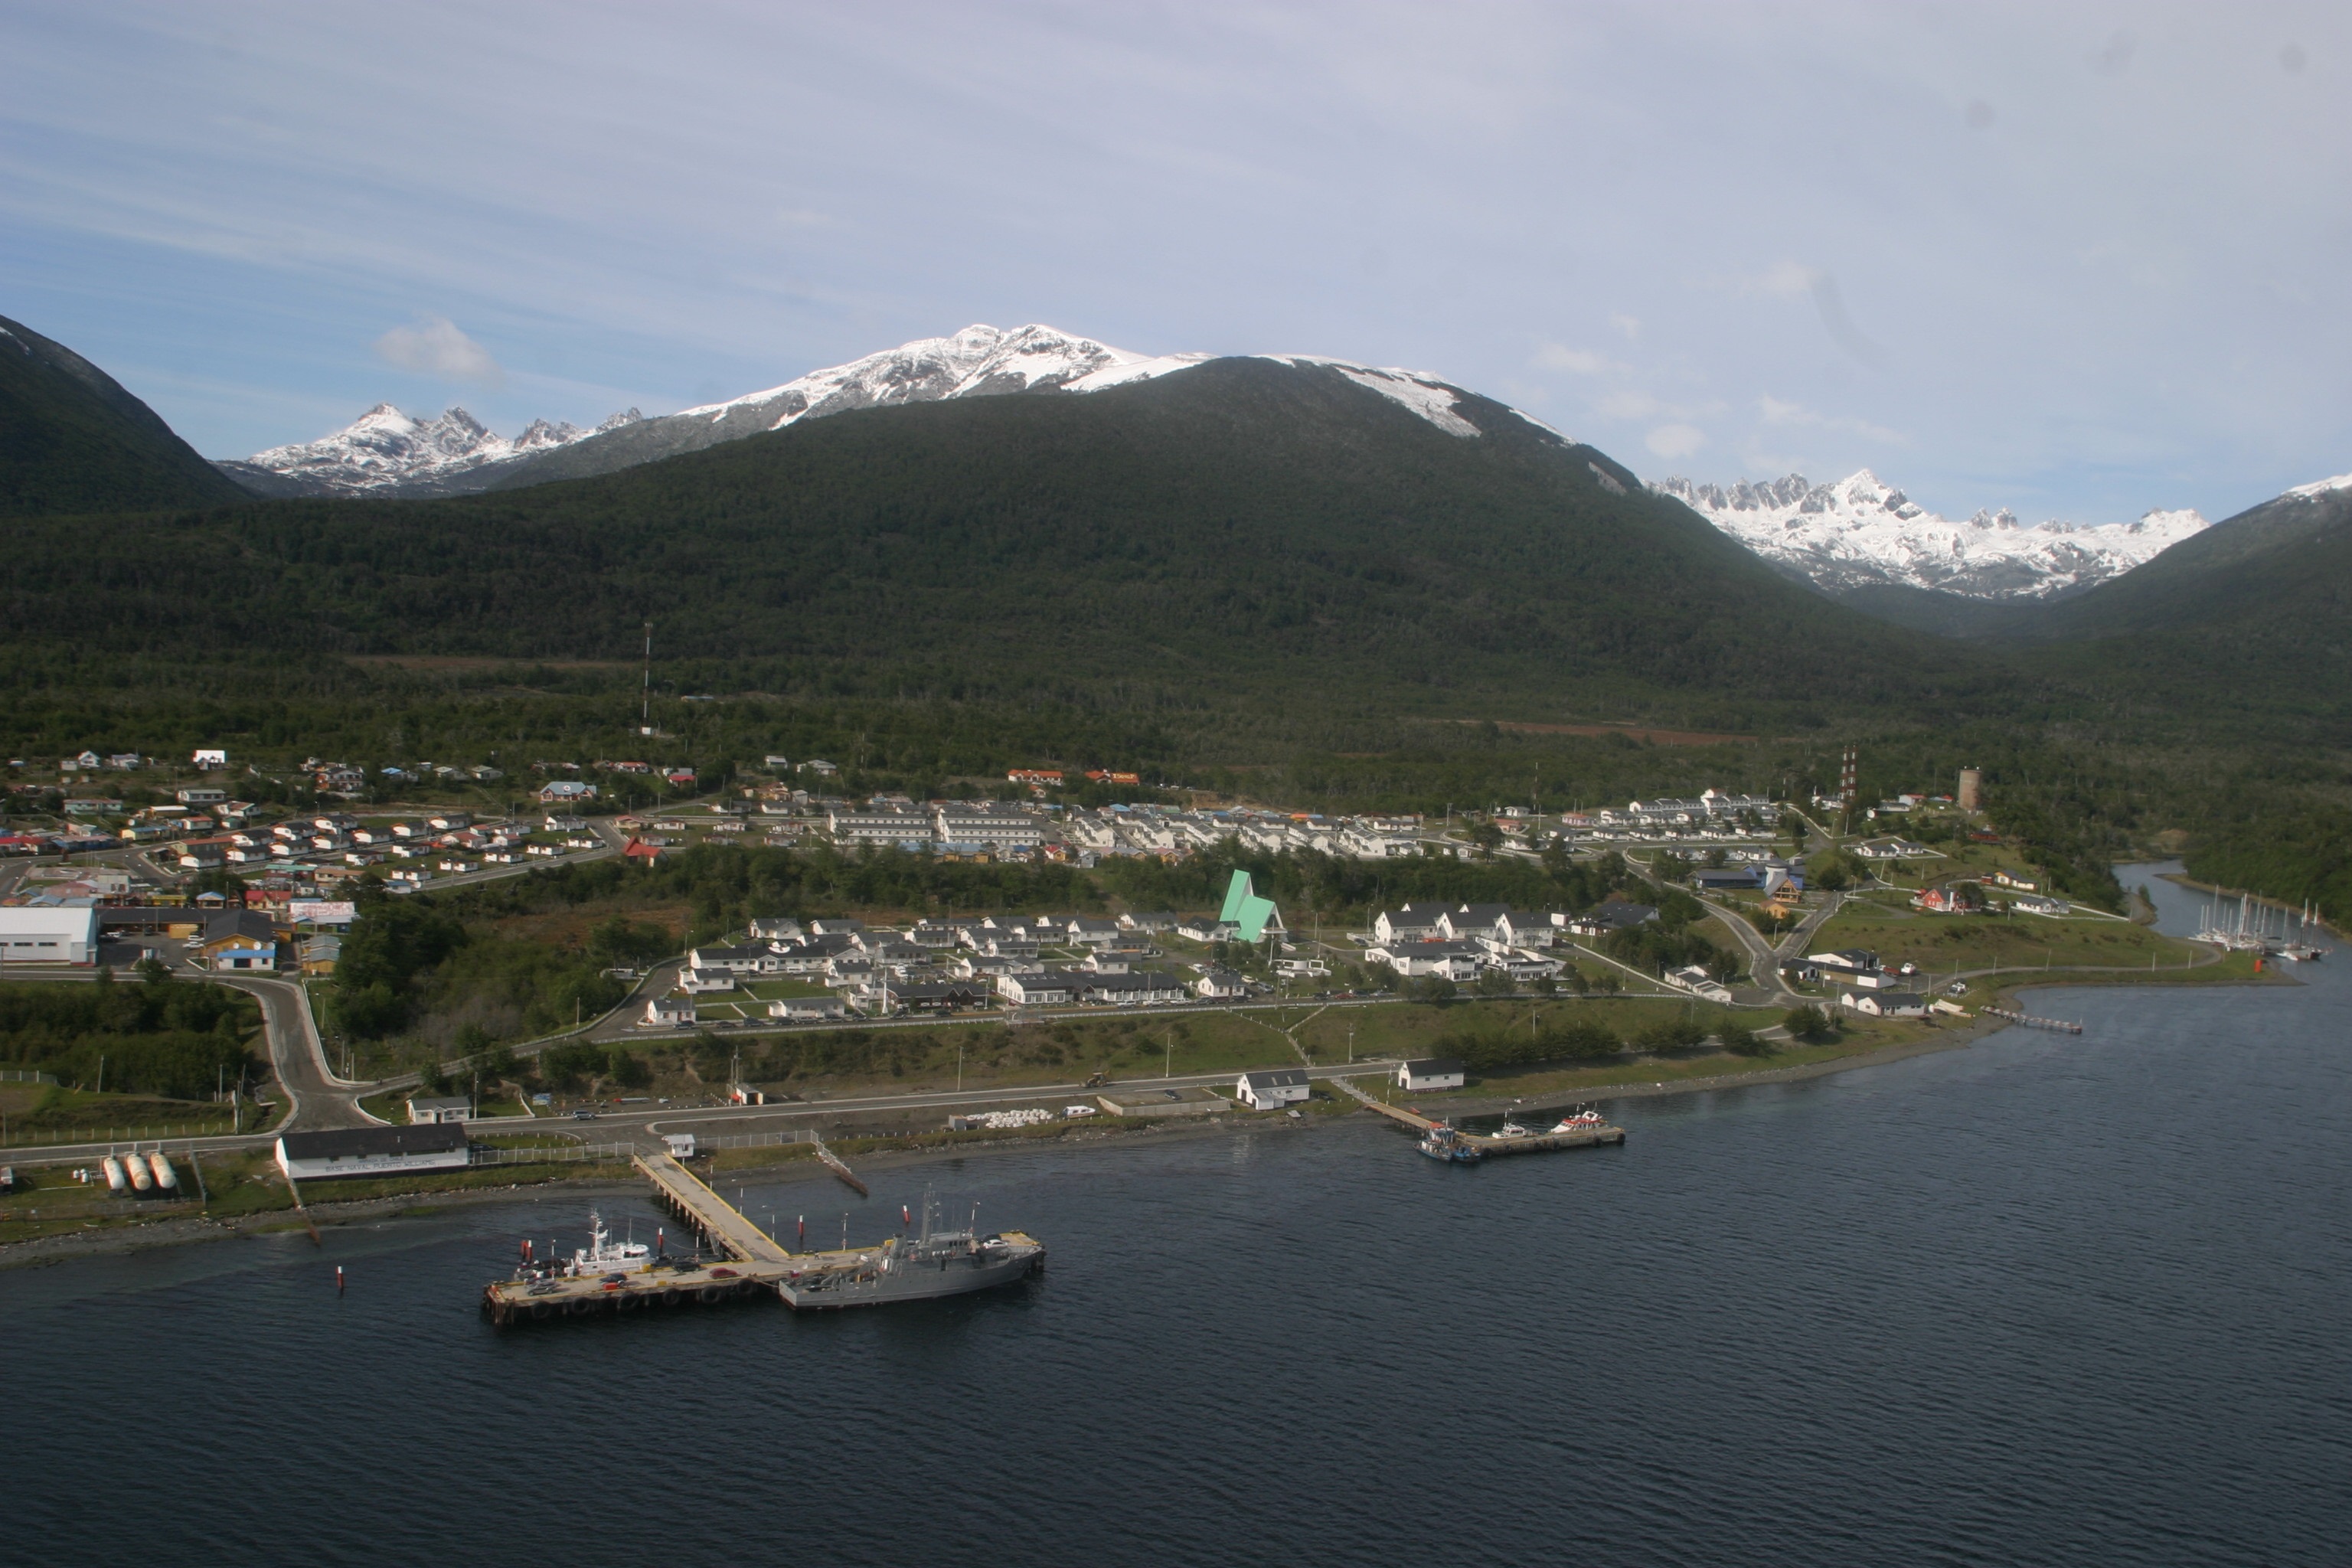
373,1152
1430,1073
48,934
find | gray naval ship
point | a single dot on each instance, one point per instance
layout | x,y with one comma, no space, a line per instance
931,1262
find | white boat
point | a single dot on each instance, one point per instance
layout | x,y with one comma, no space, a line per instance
1583,1118
604,1256
1511,1128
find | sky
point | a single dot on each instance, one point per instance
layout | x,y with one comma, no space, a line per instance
2080,260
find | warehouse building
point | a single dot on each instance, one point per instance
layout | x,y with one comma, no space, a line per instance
373,1152
48,934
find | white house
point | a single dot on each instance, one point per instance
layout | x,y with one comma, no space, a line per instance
40,934
667,1013
1273,1088
372,1151
808,1009
433,1112
1884,1004
1046,990
1219,984
1852,960
1429,1073
1413,923
1455,960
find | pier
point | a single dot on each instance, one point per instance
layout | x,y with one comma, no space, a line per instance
2057,1025
749,1263
1599,1133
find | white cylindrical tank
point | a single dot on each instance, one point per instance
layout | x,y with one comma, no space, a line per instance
115,1181
165,1177
136,1168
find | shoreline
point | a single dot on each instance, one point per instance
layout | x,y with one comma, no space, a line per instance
330,1215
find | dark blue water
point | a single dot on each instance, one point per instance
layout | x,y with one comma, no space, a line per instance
2048,1299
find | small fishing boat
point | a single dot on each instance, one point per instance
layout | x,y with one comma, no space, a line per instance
1579,1119
1443,1142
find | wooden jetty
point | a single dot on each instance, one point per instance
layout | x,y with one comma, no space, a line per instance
2058,1024
1598,1133
832,1163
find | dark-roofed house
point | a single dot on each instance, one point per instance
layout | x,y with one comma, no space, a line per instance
1140,989
1413,922
1612,915
372,1151
1472,920
238,938
1274,1087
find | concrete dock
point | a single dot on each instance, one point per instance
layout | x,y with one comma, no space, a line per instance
1587,1137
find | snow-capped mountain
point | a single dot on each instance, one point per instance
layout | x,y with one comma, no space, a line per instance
1859,534
386,451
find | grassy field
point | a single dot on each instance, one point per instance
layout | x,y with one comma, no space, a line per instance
45,1113
1941,944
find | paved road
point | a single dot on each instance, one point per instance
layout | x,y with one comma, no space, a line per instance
322,1102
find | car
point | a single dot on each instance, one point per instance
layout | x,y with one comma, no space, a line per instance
585,1113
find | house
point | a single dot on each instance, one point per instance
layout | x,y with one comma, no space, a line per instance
1884,1004
1046,989
945,996
1430,1073
1219,984
1272,1089
1612,915
1472,920
998,831
1852,960
1141,989
1413,923
1957,898
238,938
808,1009
755,958
697,981
1151,920
320,954
195,796
566,791
207,758
1086,932
1691,977
48,934
1520,928
1099,962
682,778
817,767
667,1012
1521,967
433,1112
372,1151
2019,881
1208,931
1455,960
2036,904
776,930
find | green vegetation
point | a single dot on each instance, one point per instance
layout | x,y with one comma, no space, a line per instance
156,1035
73,441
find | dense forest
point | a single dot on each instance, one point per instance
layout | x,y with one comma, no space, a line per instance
153,1035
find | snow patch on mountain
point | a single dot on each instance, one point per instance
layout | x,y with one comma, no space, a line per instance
1861,533
385,448
1423,393
980,361
2318,488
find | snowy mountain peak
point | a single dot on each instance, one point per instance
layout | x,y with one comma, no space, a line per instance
980,361
1861,533
385,448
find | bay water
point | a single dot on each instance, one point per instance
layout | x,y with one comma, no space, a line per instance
2047,1298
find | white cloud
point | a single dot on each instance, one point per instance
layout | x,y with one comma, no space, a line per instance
436,346
1577,362
1776,411
1629,325
1675,440
1630,404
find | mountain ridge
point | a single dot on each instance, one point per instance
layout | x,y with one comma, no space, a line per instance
73,439
1859,534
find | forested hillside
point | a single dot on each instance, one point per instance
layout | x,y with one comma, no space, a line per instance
1246,528
72,441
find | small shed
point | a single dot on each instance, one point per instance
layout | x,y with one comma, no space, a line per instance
433,1112
1273,1088
1430,1073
